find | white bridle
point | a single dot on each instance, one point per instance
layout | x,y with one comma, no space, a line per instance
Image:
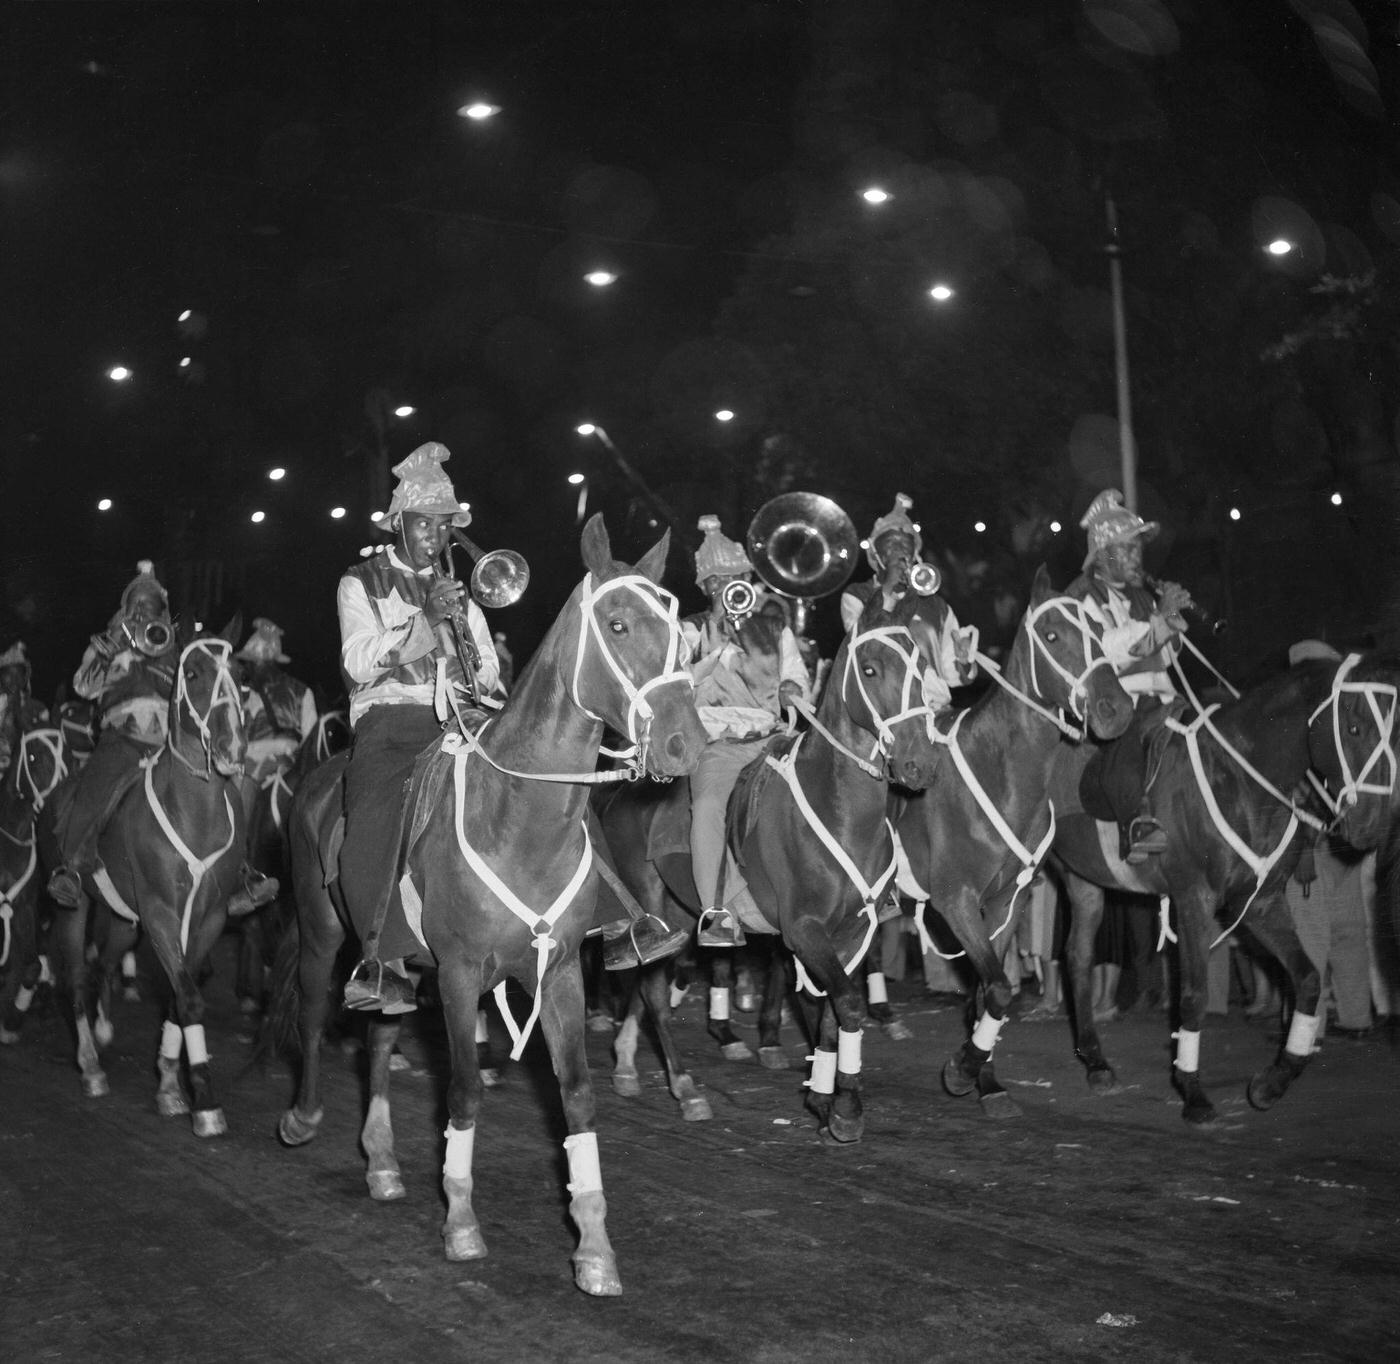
52,740
1381,702
911,688
1077,617
224,692
661,603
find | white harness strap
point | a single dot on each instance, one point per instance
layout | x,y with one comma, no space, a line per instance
1260,866
1380,698
911,689
539,924
8,898
276,785
196,866
870,892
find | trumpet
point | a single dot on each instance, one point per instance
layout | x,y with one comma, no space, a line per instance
1215,624
152,637
499,578
920,578
738,599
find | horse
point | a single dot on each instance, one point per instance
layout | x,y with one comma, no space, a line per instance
974,840
1226,790
503,816
807,831
37,766
169,859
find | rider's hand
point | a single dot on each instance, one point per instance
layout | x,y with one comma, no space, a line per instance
1172,600
789,694
105,647
444,597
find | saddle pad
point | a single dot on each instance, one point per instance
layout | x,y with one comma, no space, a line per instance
1091,797
746,797
432,770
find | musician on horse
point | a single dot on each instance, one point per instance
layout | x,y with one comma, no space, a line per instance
1141,630
279,710
746,668
19,710
892,548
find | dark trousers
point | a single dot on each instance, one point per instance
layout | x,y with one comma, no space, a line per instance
84,803
1123,774
388,740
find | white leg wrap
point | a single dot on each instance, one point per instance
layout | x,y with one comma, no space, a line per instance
46,976
457,1164
195,1045
875,990
848,1052
1302,1033
823,1078
1188,1051
128,965
585,1175
171,1040
719,1004
678,993
483,1033
985,1034
24,997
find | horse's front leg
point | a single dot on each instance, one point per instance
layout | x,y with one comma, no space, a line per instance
382,1172
770,1017
1195,929
459,984
1086,902
971,1068
834,1084
561,1014
731,1046
70,927
1272,924
653,989
187,1006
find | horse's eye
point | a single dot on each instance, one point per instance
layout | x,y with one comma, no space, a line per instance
1353,728
617,627
1051,636
867,670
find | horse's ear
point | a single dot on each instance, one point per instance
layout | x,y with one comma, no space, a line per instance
652,564
232,630
184,627
596,546
1040,587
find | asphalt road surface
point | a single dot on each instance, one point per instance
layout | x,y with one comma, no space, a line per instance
1086,1229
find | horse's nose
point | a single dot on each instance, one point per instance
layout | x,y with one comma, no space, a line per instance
677,750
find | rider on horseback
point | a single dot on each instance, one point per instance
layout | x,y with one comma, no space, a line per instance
892,548
279,711
745,672
391,606
19,710
1140,630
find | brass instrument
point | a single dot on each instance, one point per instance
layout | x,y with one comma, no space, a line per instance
152,637
739,599
924,579
1199,614
804,547
499,578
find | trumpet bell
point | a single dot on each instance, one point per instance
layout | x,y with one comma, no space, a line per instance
802,545
738,599
500,578
924,579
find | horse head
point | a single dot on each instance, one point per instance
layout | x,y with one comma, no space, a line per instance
878,677
1351,746
626,668
1058,658
206,712
39,765
75,719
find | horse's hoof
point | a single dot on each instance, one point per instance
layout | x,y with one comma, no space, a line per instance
385,1186
96,1086
696,1109
958,1084
171,1104
490,1077
464,1243
1000,1105
897,1030
1262,1093
628,1086
294,1130
597,1275
209,1122
734,1051
1199,1114
773,1058
1103,1080
845,1130
103,1032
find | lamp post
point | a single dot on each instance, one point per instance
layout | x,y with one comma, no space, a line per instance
1127,446
662,507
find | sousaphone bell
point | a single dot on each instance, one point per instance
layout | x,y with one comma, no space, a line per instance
804,547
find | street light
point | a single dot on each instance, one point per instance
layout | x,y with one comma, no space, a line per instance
580,481
104,504
1280,246
940,293
257,518
1055,528
337,513
875,195
1336,499
405,410
633,477
979,526
119,374
478,111
1234,513
276,475
600,279
724,415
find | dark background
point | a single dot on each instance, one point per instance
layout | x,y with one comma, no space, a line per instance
298,177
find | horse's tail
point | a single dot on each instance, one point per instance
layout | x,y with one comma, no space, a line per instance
280,1033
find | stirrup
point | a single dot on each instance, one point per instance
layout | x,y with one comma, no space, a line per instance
719,928
640,946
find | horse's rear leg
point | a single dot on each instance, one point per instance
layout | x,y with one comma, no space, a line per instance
459,983
731,1046
561,1015
834,1085
1272,924
181,971
382,1172
70,927
770,1019
1195,930
654,989
1086,902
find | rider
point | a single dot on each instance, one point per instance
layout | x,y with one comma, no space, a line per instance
1141,627
19,710
745,672
279,711
892,548
403,681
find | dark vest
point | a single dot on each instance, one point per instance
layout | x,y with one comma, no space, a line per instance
379,577
760,667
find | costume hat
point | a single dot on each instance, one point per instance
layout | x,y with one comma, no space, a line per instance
425,487
144,583
16,656
896,519
1109,522
264,645
718,555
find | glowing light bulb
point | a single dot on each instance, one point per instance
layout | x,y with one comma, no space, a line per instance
104,504
874,195
257,518
337,513
940,293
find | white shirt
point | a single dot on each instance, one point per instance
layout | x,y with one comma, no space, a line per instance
1121,636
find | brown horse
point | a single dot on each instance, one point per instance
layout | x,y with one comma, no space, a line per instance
1227,790
37,765
975,838
170,855
499,877
808,831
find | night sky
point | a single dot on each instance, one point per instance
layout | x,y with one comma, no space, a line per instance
297,176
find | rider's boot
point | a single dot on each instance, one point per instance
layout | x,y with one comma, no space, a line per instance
256,891
381,985
639,942
719,928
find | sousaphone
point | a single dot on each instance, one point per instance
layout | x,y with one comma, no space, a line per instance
804,547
